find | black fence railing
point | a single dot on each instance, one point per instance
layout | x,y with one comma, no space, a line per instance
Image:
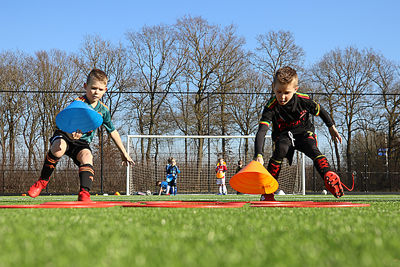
111,177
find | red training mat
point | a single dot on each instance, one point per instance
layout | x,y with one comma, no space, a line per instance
93,203
188,204
68,204
305,204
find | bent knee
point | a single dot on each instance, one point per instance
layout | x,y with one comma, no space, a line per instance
58,147
85,156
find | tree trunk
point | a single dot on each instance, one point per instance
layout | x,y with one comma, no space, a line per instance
348,152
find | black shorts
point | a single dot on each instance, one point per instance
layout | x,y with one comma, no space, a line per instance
73,146
304,142
172,182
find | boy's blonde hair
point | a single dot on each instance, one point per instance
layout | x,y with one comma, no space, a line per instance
96,74
285,75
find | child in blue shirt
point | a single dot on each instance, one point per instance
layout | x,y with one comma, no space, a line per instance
163,187
172,173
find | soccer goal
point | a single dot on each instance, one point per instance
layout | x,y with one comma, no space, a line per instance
196,157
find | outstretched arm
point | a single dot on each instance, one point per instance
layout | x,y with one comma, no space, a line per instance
118,142
259,143
335,134
329,123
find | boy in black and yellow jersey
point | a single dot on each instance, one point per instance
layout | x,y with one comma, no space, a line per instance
289,113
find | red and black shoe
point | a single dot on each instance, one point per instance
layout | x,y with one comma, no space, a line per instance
267,197
37,187
333,184
84,196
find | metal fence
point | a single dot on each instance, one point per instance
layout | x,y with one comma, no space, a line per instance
113,179
16,178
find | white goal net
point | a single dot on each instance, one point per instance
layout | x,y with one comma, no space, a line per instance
196,157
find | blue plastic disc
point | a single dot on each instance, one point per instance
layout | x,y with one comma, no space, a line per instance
78,116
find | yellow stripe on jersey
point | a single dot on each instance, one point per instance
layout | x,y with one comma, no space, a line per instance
271,102
303,95
104,105
318,109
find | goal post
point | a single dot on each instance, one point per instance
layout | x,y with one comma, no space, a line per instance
196,157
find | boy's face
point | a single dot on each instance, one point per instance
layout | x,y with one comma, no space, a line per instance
285,92
95,90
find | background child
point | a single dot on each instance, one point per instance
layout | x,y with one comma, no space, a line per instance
76,145
220,170
238,168
162,187
172,174
289,113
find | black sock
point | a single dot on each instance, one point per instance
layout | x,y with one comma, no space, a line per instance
322,165
86,174
49,165
274,167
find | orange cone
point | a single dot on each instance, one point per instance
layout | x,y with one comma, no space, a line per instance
254,179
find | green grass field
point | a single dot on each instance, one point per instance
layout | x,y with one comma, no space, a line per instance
117,236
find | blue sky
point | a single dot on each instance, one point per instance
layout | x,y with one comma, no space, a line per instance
318,26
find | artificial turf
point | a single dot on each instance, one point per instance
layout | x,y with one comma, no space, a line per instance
118,236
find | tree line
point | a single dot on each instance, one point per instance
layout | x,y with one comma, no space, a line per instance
198,78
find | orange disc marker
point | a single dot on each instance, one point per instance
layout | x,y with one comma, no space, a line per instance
220,175
254,179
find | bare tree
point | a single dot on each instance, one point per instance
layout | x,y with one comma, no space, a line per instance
13,101
386,77
246,104
208,47
55,77
158,61
345,76
323,78
180,110
30,133
275,50
230,70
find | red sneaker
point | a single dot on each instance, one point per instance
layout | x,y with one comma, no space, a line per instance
333,184
267,197
84,196
37,187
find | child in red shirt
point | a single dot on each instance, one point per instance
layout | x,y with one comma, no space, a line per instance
220,170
